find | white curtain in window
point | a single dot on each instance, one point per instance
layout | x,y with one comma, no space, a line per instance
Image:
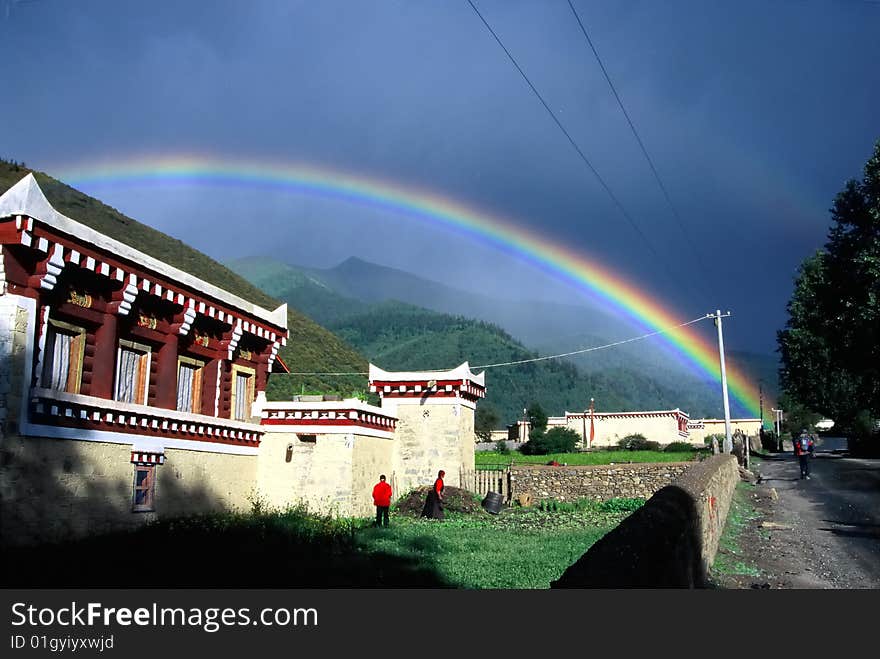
242,402
60,361
185,375
129,363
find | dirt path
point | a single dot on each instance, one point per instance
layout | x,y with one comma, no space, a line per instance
817,533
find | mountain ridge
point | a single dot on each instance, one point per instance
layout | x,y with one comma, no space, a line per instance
397,335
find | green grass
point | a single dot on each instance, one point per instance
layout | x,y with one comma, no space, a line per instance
488,459
519,548
730,558
522,548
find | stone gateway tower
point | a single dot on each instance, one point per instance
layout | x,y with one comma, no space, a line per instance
435,421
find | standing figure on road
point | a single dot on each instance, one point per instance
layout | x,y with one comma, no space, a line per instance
382,501
803,449
434,504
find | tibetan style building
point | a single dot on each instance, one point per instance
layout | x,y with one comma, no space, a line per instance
127,385
131,390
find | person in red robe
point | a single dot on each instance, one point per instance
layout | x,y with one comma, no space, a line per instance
434,504
382,501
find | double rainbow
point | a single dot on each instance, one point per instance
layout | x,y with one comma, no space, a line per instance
586,275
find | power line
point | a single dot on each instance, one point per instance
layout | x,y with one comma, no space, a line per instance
574,144
595,348
639,140
540,359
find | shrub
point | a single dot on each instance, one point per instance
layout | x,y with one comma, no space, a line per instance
556,440
501,447
768,441
708,439
637,442
621,505
555,506
535,445
679,447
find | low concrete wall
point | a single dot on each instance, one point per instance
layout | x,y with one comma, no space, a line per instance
598,482
668,543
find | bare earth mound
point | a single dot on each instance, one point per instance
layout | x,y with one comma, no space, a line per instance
455,499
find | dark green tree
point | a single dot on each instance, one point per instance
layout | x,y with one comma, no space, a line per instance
556,440
830,353
485,421
537,417
797,416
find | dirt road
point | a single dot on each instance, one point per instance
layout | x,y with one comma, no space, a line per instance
818,533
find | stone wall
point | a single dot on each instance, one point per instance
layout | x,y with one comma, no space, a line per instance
711,484
598,482
670,542
319,473
52,490
13,357
431,437
372,457
200,481
58,489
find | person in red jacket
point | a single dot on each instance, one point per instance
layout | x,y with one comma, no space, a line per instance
382,501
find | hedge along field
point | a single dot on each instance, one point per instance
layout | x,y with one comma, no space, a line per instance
496,459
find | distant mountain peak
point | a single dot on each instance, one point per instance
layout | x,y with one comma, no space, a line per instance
359,265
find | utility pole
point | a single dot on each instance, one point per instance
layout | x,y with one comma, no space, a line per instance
585,429
592,409
761,401
778,429
761,407
728,441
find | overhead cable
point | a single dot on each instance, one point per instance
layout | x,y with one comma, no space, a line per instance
641,145
577,148
539,359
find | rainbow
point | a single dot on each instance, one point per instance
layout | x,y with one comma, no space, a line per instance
587,275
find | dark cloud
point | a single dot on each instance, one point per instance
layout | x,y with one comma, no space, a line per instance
754,113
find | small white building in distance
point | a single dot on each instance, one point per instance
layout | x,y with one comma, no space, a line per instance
605,429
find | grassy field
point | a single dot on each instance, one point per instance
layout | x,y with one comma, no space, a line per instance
519,548
486,459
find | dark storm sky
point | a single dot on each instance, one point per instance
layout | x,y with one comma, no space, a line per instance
755,112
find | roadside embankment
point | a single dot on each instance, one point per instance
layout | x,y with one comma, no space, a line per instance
670,542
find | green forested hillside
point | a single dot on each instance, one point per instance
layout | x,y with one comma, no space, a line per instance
400,336
396,335
310,347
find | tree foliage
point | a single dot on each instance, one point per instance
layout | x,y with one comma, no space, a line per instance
555,440
830,352
486,420
537,417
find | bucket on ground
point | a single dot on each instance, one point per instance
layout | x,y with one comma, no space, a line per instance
492,503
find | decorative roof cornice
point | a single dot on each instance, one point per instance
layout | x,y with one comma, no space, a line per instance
460,379
653,413
26,202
